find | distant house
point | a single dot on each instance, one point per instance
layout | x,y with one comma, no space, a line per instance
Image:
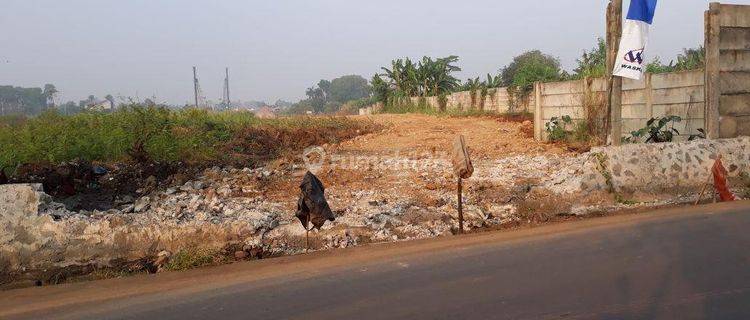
103,105
265,112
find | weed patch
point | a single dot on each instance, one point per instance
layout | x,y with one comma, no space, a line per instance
155,134
190,258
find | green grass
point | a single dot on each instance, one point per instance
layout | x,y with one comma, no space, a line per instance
190,258
159,134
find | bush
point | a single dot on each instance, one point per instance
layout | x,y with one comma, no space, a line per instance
146,134
556,128
657,130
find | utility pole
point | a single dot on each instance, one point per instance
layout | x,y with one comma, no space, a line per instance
195,85
614,90
226,83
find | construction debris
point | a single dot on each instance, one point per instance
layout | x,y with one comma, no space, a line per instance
379,194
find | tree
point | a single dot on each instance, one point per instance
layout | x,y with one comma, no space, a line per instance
316,98
592,63
301,107
17,100
111,100
328,96
49,93
348,88
530,67
428,77
325,87
380,89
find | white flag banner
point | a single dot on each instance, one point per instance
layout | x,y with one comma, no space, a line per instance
630,61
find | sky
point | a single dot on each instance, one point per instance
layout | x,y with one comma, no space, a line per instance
276,49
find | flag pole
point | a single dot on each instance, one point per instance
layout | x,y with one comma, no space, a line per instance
613,123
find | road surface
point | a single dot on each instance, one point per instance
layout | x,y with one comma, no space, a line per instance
681,263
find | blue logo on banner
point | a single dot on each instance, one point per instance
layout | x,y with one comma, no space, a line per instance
634,56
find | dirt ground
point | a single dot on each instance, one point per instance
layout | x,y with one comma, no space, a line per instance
409,161
488,137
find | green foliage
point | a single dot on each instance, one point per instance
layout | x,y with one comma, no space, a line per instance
556,128
473,85
49,94
657,130
428,77
592,63
348,88
190,258
139,133
493,82
655,66
530,67
329,96
301,107
316,98
689,59
380,89
27,101
520,75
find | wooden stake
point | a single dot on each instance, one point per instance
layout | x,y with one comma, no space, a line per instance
700,196
460,208
307,240
708,183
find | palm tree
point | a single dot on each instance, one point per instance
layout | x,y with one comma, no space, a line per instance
428,77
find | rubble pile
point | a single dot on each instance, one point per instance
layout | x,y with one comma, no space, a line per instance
376,195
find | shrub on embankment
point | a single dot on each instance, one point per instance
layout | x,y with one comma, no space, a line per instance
142,134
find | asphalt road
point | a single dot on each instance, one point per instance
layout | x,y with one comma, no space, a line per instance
684,263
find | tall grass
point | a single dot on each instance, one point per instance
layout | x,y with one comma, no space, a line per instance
144,134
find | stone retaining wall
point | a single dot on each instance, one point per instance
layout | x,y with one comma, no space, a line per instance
36,233
664,166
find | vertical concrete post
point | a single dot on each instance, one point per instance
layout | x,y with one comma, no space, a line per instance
713,92
538,125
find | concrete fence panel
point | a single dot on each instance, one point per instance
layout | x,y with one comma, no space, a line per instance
658,95
727,70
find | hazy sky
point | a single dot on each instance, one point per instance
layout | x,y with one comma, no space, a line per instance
277,48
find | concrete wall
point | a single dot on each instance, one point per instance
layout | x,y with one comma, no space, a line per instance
369,110
657,95
675,166
728,70
497,100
